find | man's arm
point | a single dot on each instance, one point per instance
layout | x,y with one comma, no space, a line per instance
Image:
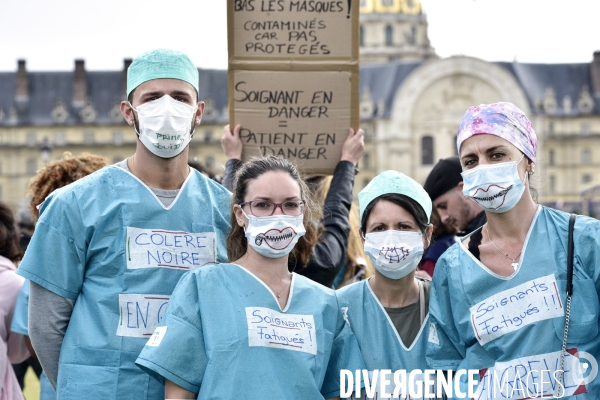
49,316
330,251
232,146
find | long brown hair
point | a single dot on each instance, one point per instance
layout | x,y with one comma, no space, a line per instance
9,239
237,245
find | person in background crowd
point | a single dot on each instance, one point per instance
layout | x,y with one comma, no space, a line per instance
250,328
329,253
388,312
499,302
51,177
444,236
13,348
357,267
25,230
445,187
204,170
109,249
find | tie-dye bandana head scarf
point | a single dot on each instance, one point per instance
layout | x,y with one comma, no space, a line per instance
501,119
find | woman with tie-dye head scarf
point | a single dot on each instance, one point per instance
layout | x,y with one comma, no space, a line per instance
499,297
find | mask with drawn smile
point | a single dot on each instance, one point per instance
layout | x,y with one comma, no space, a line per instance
276,235
496,188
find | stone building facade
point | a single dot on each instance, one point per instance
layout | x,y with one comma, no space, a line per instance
411,105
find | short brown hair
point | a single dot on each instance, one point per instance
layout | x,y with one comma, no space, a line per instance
237,243
60,173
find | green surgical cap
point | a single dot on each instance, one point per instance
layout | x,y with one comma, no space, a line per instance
161,64
394,182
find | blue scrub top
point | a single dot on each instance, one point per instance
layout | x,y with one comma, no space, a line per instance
379,341
107,242
225,336
512,327
20,325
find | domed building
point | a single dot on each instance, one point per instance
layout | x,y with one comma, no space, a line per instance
411,103
393,30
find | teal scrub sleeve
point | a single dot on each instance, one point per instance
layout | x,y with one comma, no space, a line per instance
55,258
345,354
180,355
20,322
444,349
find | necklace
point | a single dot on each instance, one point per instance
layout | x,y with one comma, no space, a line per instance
282,289
514,263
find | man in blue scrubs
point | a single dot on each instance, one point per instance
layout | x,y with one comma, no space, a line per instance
109,248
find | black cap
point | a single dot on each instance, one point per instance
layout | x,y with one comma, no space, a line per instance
444,176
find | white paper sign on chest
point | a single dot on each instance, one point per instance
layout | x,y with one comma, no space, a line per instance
512,309
269,328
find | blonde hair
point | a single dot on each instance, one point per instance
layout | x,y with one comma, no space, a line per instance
355,252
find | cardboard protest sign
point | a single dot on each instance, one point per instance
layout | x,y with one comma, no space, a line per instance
293,78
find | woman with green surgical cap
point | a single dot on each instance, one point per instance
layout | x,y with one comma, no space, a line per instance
388,312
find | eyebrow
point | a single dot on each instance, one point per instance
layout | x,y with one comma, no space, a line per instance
179,93
157,93
269,199
494,148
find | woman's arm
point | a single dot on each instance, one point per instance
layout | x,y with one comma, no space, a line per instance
173,391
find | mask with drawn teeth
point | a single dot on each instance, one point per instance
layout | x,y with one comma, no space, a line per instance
496,188
276,235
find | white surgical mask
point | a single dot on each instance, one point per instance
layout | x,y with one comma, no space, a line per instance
276,235
165,126
394,253
495,187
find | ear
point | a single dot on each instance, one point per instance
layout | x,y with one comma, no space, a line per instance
427,236
460,186
239,215
199,112
362,236
127,112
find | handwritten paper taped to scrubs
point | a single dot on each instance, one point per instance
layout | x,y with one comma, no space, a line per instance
269,328
139,314
157,248
512,309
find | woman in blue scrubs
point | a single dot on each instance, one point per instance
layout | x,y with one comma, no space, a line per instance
388,312
498,302
251,329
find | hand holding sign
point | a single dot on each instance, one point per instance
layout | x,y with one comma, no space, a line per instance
354,146
231,143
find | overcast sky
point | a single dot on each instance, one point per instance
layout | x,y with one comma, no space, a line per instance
51,34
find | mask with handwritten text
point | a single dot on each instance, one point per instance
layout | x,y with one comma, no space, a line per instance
496,188
274,236
165,126
394,254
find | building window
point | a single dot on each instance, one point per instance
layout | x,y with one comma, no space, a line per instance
586,178
31,139
551,157
118,138
60,138
366,161
552,184
208,136
412,35
366,182
31,166
210,162
361,33
454,145
1,199
586,157
117,159
389,35
427,150
586,128
88,138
